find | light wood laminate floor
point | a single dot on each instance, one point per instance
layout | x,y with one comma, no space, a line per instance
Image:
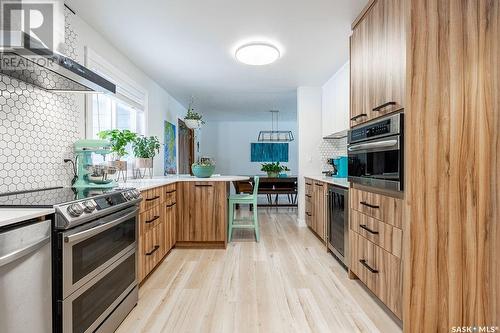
285,283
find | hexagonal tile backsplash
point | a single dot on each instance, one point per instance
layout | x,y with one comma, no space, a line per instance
37,131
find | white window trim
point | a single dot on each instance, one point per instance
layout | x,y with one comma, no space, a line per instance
127,90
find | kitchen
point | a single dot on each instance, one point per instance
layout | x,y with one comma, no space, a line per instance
370,190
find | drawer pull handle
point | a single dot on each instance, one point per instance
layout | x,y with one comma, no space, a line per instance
308,195
368,205
363,226
153,198
359,116
380,107
203,185
318,184
308,214
363,262
153,250
309,184
170,206
169,192
152,220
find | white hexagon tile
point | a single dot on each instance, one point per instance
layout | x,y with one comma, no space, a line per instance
37,131
332,148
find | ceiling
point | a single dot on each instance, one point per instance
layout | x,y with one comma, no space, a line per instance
188,46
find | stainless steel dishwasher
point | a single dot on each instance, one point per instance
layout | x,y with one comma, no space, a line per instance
26,278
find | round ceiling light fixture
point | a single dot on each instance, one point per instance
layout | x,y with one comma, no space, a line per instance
257,54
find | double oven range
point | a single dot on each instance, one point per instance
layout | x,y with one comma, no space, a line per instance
94,271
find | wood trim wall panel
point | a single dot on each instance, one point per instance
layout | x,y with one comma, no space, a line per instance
387,236
452,266
386,209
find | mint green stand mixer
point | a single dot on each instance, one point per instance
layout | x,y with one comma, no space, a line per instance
88,174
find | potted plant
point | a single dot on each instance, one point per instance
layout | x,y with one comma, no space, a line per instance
145,148
193,119
119,140
204,168
273,169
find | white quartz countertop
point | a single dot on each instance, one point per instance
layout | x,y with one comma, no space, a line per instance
148,183
342,182
13,215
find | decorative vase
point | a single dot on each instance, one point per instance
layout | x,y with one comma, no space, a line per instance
192,123
203,171
272,174
121,167
143,163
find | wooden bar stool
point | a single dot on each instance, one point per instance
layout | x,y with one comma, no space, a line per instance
250,199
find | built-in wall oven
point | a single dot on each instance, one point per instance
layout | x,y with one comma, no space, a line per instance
95,263
338,222
376,153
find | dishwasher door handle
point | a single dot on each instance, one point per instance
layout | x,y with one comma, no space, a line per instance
17,254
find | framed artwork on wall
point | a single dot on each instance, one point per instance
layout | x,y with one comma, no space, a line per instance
269,152
170,144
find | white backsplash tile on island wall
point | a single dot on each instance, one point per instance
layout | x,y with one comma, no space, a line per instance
331,148
37,131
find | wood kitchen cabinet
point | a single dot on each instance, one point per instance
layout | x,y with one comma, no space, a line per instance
315,206
378,61
202,219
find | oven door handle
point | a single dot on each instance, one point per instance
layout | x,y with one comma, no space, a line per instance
378,144
94,231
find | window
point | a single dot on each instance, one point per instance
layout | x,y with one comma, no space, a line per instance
124,110
111,113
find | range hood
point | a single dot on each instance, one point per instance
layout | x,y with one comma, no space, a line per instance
35,64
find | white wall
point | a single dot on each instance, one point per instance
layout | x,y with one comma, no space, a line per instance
310,138
228,142
160,107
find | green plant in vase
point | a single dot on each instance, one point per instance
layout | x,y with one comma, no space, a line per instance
273,169
119,140
193,119
204,168
145,148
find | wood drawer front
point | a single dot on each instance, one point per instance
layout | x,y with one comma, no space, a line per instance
309,187
151,198
150,219
379,233
384,208
151,250
380,272
170,192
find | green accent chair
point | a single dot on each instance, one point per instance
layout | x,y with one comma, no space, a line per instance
250,199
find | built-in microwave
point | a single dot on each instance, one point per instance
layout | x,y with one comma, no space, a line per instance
376,153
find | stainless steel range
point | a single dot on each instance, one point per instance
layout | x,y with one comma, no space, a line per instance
94,240
95,261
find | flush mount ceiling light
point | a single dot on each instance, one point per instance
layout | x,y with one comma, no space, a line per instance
257,54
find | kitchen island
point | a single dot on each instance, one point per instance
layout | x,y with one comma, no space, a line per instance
180,212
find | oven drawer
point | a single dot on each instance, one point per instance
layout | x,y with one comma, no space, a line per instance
151,250
150,219
170,194
378,270
379,233
384,208
151,198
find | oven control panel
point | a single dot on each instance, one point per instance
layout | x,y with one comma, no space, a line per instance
383,127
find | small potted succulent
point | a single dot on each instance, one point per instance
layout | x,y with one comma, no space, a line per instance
119,140
273,169
204,168
145,149
193,119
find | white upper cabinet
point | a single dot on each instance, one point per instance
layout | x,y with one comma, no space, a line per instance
335,102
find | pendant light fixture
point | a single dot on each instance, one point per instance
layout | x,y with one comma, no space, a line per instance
275,135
